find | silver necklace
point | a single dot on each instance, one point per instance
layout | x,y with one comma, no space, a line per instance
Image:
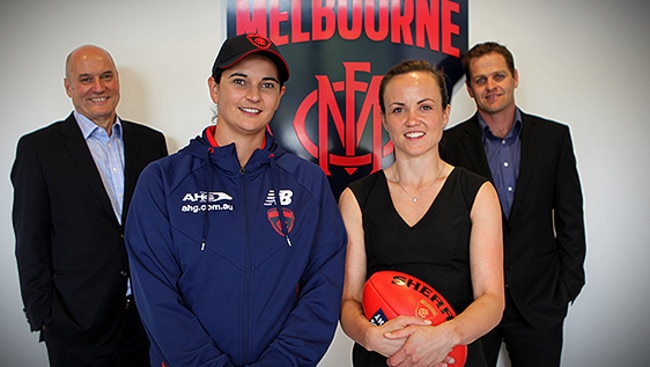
415,198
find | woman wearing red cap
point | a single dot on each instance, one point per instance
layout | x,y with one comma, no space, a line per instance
237,246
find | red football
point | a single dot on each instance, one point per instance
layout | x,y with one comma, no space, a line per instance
388,294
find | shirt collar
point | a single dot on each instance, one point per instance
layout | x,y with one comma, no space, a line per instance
513,133
88,127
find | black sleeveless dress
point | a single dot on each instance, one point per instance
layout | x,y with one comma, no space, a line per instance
435,250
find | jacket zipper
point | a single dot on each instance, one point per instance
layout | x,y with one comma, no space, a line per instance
247,268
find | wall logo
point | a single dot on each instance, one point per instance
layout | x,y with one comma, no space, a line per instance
337,51
348,126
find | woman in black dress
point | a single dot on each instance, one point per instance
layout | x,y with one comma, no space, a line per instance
424,217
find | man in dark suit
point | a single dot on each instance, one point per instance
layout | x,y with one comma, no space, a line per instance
531,163
73,182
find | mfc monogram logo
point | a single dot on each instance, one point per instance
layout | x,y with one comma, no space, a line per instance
349,128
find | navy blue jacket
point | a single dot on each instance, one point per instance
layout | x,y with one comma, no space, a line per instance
236,266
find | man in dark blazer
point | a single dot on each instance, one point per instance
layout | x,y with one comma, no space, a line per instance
73,182
531,162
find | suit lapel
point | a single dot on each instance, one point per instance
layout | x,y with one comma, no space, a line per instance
530,150
83,160
131,156
475,150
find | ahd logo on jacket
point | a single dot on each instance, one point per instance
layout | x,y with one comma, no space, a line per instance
206,201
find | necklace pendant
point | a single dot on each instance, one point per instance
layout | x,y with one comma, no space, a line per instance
415,199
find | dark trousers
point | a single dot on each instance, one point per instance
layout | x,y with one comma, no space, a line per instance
131,349
526,346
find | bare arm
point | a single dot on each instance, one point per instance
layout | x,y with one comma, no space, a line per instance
353,322
429,345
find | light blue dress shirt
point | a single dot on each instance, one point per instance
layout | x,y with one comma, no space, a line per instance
108,154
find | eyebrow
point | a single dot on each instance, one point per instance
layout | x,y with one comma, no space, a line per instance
266,78
500,71
272,79
91,74
428,99
418,102
401,104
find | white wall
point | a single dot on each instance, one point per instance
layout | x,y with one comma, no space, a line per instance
583,62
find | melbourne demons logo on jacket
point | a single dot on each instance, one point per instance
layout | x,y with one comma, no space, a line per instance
273,215
274,218
337,52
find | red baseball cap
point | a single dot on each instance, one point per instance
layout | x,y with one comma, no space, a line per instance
237,47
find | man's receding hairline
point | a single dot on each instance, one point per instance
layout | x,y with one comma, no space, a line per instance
76,50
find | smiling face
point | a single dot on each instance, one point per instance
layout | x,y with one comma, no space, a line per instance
93,84
492,84
415,114
247,96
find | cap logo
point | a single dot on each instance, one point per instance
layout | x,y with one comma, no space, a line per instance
259,41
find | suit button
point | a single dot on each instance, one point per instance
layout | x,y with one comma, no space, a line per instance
124,273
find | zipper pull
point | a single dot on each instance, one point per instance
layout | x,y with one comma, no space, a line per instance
288,241
202,245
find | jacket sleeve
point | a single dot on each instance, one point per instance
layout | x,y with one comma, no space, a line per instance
569,219
310,328
31,220
172,328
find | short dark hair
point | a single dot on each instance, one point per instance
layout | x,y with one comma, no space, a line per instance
408,66
483,49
